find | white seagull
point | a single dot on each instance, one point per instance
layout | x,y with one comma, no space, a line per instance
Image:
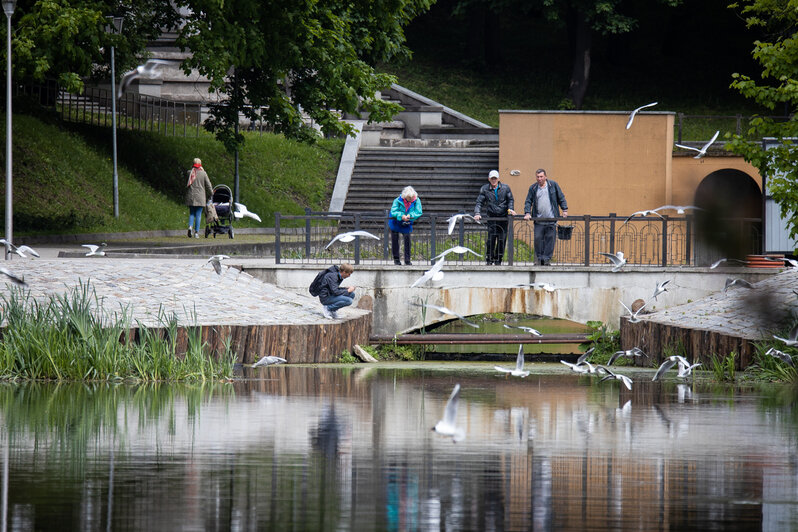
350,236
628,353
16,279
617,260
529,330
269,360
632,116
641,213
434,274
457,217
241,211
680,209
617,376
147,71
446,426
703,150
781,355
632,315
19,250
444,310
665,366
792,337
216,261
95,250
719,261
685,370
738,282
519,365
460,250
660,288
577,368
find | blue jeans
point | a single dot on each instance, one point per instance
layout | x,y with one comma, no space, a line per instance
335,302
195,217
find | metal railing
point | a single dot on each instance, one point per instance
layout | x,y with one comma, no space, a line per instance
648,241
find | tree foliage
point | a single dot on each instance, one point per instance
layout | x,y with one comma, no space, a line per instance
275,60
776,88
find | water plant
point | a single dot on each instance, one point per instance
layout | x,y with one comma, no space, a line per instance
723,367
603,340
767,367
347,358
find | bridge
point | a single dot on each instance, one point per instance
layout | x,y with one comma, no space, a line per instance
580,294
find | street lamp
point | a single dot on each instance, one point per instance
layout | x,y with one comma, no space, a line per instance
8,8
116,28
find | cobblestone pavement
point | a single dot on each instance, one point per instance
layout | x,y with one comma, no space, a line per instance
751,313
188,288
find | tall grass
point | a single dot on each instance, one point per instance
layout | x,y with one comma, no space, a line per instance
723,367
70,337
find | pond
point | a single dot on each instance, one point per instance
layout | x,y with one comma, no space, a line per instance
350,448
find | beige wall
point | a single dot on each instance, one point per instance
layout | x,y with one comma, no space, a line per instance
601,166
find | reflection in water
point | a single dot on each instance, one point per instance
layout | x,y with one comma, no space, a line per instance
342,449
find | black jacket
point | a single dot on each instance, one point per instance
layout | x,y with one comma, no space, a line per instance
496,202
330,284
556,197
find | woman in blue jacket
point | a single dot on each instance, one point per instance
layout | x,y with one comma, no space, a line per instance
405,210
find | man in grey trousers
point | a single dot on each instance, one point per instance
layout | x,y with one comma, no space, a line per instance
544,200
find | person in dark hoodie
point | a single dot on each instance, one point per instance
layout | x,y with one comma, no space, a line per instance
331,294
497,199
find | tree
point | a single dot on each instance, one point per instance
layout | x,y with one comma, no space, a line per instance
277,60
776,89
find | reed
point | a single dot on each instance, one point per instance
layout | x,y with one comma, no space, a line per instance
71,337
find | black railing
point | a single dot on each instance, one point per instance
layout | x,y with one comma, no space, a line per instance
649,241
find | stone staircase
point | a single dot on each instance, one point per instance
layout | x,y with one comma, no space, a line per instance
447,179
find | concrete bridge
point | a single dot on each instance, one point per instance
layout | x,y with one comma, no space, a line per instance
581,294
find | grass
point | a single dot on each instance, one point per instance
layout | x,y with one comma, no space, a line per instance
723,367
70,337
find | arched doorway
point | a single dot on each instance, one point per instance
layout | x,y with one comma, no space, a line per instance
729,223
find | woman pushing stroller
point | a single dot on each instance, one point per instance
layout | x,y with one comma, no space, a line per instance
196,187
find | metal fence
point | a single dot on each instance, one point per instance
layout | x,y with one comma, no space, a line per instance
648,241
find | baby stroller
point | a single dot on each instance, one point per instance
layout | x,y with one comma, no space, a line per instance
222,201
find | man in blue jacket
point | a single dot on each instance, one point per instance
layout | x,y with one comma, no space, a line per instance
544,200
331,294
497,198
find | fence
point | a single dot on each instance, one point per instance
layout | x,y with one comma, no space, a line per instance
649,241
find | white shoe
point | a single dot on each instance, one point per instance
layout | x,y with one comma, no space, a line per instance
327,314
196,235
334,314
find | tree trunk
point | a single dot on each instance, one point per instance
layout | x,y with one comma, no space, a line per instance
581,35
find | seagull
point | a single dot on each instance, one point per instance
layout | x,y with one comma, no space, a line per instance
583,357
629,353
350,236
95,250
269,360
241,211
687,370
446,426
519,365
147,70
457,217
578,368
792,262
738,282
632,315
529,330
460,250
703,150
216,261
719,261
660,288
548,287
680,209
617,260
641,213
21,250
632,116
434,274
781,355
610,375
16,279
444,310
792,337
665,366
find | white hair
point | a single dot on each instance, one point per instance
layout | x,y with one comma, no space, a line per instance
408,193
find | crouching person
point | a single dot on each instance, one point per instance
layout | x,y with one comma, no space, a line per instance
331,294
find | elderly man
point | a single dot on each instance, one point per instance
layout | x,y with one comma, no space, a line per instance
497,198
544,200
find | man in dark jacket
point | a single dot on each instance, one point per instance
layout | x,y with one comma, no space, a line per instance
544,200
331,294
497,198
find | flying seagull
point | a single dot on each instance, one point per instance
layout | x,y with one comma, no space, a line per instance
685,370
460,250
660,288
435,274
628,353
665,366
703,150
216,261
680,209
578,368
583,357
792,337
350,236
738,282
519,365
781,355
632,315
719,261
446,426
16,279
95,250
241,211
19,250
632,116
269,360
529,330
641,213
147,71
617,376
617,260
444,310
457,217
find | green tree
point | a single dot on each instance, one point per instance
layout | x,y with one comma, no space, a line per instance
776,89
275,60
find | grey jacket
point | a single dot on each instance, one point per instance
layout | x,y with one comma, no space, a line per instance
556,197
195,194
496,202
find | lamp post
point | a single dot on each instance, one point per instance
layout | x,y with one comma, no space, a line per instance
116,28
8,8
